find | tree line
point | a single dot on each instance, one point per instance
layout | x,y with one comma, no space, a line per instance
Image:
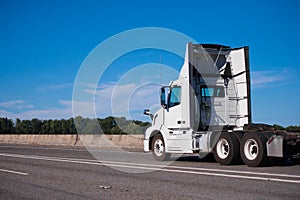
109,125
288,128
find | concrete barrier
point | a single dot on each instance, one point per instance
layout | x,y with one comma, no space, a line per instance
127,141
38,139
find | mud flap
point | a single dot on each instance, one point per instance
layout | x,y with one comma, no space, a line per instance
275,146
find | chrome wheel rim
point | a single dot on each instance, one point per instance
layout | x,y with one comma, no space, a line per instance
222,148
158,147
251,149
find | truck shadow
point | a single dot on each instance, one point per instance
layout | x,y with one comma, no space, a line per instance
210,159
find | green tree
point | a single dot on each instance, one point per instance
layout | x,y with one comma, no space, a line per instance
6,126
293,128
278,127
26,127
92,127
18,126
79,121
65,129
45,129
107,124
72,126
116,130
55,127
141,124
36,126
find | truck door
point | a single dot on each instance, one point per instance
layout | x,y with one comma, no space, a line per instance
212,106
175,100
172,114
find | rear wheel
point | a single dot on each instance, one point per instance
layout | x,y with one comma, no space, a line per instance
159,148
226,150
253,149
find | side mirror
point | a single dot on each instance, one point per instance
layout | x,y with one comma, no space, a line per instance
163,102
147,112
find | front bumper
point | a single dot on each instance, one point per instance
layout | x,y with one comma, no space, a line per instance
146,145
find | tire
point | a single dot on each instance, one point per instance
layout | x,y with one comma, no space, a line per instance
253,149
239,136
226,150
159,149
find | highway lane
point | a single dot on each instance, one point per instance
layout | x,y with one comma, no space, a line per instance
45,172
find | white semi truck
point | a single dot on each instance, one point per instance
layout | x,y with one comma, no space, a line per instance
208,110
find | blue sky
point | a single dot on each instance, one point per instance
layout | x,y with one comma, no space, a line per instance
43,44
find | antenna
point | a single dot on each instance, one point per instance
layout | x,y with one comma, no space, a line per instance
160,69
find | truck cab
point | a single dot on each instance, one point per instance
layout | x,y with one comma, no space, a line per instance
208,109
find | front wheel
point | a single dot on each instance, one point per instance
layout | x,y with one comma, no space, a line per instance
253,149
159,148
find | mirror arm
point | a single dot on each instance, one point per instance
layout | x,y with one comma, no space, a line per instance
147,112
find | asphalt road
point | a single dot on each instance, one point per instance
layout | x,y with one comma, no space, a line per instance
44,172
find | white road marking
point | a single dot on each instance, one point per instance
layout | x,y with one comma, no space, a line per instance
76,148
212,174
44,148
170,166
13,172
210,169
176,169
105,162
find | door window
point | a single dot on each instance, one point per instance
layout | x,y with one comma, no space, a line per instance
175,96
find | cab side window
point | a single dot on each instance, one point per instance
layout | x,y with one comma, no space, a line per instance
175,96
212,91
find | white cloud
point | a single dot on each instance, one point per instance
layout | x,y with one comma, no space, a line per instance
55,87
134,91
16,104
55,113
121,100
110,99
4,113
261,79
116,99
